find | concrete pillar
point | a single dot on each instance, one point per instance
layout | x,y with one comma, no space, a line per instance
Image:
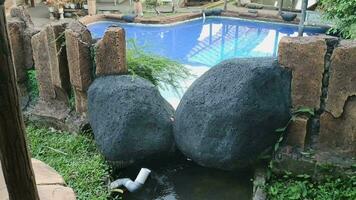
91,7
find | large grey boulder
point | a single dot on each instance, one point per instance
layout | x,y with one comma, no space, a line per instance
229,115
130,119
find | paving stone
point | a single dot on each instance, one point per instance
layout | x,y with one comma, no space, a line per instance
50,184
46,175
55,192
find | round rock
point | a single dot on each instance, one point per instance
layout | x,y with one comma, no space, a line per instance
228,116
130,119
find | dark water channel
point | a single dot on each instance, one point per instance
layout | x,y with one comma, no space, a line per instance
184,180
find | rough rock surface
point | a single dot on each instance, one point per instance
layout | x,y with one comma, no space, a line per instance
78,43
110,51
342,83
228,116
130,119
22,13
16,29
58,58
339,133
297,131
28,33
304,56
43,70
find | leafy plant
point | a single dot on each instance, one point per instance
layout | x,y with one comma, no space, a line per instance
32,85
342,12
303,187
159,70
282,131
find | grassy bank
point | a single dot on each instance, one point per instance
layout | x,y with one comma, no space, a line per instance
75,157
302,187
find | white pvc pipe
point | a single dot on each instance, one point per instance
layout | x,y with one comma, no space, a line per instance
131,185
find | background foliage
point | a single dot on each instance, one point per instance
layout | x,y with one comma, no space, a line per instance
343,14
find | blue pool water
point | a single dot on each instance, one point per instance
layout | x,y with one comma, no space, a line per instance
200,44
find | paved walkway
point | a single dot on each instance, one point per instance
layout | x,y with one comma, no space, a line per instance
50,184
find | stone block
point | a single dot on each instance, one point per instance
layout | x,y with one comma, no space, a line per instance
43,70
16,29
342,82
339,133
81,101
22,13
58,60
46,175
304,56
297,131
79,60
27,35
55,192
110,54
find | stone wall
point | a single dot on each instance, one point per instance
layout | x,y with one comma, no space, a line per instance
64,58
324,82
21,29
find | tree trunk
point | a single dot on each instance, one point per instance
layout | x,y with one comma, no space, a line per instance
225,5
15,159
32,3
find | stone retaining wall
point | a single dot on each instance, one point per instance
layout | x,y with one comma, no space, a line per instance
324,81
63,56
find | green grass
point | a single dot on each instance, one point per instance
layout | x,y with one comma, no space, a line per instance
302,187
32,85
75,157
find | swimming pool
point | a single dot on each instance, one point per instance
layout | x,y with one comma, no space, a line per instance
200,44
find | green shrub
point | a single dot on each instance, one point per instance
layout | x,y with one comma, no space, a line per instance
160,71
75,157
343,13
32,85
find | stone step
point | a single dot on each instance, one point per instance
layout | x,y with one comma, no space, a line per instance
50,184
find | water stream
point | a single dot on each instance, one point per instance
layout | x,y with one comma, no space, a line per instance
184,180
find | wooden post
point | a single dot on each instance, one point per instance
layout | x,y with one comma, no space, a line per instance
302,19
15,159
280,7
